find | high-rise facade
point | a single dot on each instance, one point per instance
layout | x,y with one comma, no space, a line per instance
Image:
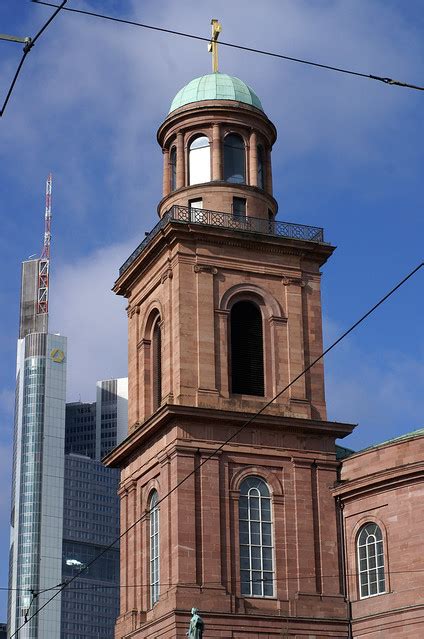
65,509
90,524
91,513
38,467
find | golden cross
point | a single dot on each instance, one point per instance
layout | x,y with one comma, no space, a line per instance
213,44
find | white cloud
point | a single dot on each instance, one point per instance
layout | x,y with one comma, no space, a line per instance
93,319
99,89
381,392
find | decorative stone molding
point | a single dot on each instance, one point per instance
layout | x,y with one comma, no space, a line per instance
205,268
278,320
294,281
166,274
133,310
127,487
143,342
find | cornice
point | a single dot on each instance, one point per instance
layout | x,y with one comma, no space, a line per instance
176,413
175,232
216,111
382,480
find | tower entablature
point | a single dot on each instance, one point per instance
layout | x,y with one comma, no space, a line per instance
216,143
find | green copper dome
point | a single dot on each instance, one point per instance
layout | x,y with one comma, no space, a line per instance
215,86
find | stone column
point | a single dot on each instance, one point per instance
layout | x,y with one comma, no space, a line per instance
305,546
133,365
268,171
221,324
277,358
211,520
205,328
166,182
167,337
326,528
180,161
216,152
131,547
296,355
183,520
165,537
144,380
123,494
253,159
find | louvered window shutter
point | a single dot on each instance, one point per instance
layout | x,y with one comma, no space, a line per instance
247,356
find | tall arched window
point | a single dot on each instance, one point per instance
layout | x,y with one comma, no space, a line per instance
199,160
157,364
154,548
247,353
370,561
173,167
234,159
256,539
261,167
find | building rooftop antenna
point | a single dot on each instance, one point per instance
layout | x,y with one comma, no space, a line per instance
44,263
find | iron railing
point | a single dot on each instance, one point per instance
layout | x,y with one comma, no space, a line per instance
189,215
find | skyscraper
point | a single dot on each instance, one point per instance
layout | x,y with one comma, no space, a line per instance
91,513
38,465
64,509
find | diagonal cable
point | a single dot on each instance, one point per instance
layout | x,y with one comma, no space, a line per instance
227,441
27,48
239,46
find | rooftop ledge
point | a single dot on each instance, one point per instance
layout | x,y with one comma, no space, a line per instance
187,215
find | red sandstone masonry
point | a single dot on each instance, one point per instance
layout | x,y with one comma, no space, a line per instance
190,276
385,485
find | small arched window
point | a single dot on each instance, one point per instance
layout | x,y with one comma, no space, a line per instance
261,167
234,159
173,167
157,364
247,353
256,539
370,561
154,548
199,160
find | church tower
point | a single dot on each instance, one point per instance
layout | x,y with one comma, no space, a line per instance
224,310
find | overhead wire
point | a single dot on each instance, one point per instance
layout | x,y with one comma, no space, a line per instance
227,441
204,584
27,48
272,54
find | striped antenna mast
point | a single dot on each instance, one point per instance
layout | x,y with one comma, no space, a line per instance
44,263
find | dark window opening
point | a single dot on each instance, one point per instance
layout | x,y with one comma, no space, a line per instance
234,159
261,170
239,207
157,366
173,165
247,357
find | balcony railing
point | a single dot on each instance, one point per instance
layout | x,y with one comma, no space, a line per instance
188,215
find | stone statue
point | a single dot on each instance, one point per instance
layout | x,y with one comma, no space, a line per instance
195,630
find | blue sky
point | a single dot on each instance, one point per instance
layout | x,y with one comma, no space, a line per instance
349,157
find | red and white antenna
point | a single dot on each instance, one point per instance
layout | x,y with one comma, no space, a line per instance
44,263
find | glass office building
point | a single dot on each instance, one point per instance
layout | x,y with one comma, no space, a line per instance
91,512
38,468
90,524
64,509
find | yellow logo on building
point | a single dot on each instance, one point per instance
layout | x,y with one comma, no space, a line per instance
57,355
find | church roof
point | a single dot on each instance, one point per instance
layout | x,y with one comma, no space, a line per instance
215,86
412,435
